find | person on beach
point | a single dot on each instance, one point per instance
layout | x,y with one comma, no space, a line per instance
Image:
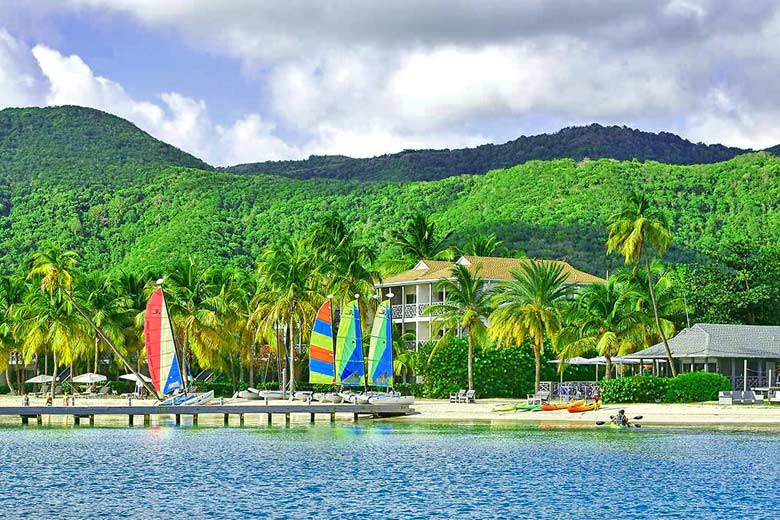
621,419
49,399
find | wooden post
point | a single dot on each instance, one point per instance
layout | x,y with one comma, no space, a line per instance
355,417
311,418
287,419
332,417
194,419
130,420
25,420
92,420
147,419
178,419
39,418
76,420
270,419
745,376
240,419
226,419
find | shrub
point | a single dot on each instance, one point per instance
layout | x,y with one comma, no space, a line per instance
634,389
696,386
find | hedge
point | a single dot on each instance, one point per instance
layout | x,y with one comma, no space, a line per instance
685,388
498,372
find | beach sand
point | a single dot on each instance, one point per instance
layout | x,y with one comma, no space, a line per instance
698,415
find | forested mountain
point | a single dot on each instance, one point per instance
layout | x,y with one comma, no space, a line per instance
95,183
593,141
57,139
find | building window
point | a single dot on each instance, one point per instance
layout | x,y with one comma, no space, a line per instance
411,299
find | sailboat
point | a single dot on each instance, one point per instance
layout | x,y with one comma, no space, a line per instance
162,356
380,358
322,369
350,370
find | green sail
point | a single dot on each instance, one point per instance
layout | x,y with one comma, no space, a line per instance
349,347
380,351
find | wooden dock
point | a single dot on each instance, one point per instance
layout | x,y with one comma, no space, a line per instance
284,408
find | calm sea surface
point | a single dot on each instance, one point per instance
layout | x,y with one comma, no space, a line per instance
384,471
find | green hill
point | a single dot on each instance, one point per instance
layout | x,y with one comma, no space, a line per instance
593,141
125,199
38,140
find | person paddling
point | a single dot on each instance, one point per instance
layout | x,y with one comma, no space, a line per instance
620,419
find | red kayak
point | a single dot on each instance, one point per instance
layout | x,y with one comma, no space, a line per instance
561,406
584,407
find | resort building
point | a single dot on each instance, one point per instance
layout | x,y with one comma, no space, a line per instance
413,291
749,355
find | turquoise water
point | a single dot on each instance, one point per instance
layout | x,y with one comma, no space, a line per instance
384,471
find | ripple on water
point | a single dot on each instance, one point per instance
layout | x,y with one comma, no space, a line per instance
382,471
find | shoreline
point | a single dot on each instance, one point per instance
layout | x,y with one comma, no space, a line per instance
709,415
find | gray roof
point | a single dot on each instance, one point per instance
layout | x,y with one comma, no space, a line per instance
720,341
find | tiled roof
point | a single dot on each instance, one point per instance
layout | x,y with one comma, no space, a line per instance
491,268
723,341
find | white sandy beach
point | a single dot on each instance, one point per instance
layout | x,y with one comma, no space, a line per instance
441,411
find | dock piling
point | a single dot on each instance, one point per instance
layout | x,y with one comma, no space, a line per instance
130,420
76,420
333,417
194,419
178,419
226,419
147,419
240,419
270,419
92,420
39,419
25,420
311,418
287,419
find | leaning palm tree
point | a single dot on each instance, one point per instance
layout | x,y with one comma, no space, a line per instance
636,229
108,308
13,290
465,311
608,322
528,305
419,240
55,270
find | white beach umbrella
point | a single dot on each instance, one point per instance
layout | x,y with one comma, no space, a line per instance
89,378
43,378
131,377
573,361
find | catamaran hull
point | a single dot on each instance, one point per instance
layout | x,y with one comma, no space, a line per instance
188,399
271,395
394,399
251,396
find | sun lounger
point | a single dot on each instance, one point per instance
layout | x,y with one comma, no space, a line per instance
725,398
539,398
470,397
456,398
775,398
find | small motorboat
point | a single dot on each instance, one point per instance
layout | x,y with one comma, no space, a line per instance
561,406
584,407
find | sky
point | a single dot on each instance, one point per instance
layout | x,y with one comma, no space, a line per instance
250,80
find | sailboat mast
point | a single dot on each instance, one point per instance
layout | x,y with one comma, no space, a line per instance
185,361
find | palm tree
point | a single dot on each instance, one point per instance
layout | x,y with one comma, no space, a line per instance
485,245
56,270
608,322
528,305
668,301
12,292
288,273
466,308
633,230
418,240
107,306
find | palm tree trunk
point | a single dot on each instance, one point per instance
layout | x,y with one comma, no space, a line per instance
97,352
538,365
252,365
53,372
291,347
232,373
608,367
657,319
279,354
8,379
471,361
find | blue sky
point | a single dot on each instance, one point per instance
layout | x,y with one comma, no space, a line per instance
244,81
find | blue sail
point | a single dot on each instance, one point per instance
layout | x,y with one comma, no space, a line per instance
349,347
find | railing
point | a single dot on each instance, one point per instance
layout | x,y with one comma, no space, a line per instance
570,390
412,310
752,382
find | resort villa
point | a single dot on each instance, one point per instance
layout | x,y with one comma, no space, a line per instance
413,291
746,354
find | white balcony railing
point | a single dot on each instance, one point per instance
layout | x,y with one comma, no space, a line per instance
412,310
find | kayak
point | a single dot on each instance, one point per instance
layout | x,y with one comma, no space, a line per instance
519,408
561,406
584,407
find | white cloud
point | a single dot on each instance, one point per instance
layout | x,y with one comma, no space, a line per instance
21,82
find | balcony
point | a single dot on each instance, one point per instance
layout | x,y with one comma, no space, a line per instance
412,310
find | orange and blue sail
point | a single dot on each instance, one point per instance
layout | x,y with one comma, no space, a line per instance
321,367
349,347
161,354
380,351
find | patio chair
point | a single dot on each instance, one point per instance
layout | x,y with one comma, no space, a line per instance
539,398
725,398
103,392
456,398
470,397
775,398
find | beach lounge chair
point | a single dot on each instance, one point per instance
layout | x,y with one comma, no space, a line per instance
725,398
470,397
775,398
103,392
539,398
456,398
